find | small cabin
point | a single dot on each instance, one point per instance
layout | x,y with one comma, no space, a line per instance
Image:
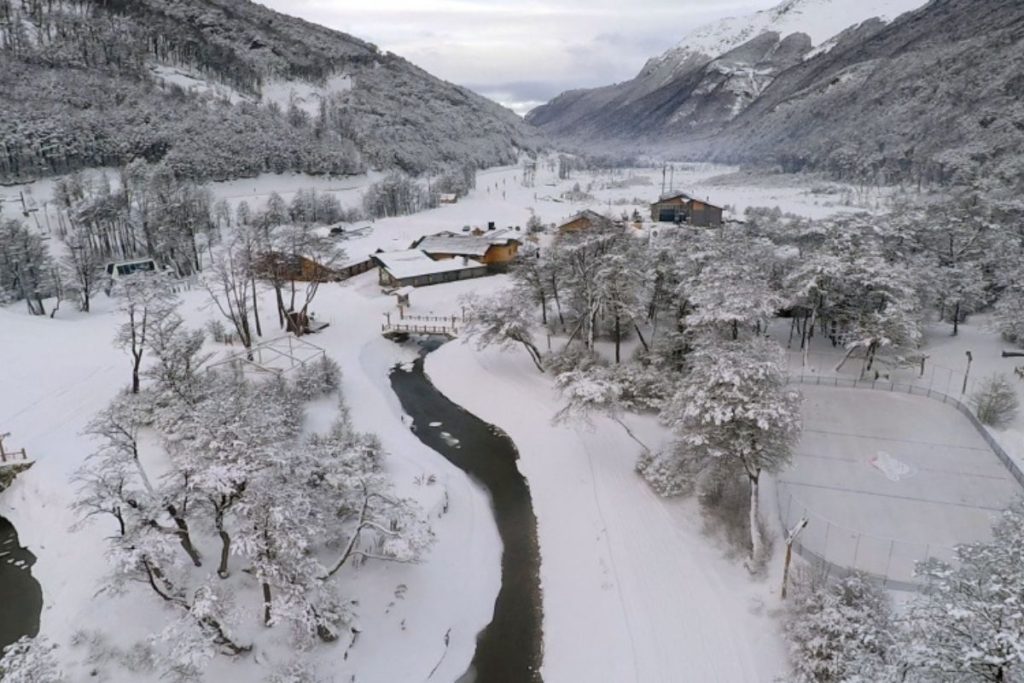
585,220
682,208
447,198
277,265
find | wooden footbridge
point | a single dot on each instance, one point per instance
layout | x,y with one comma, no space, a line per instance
404,326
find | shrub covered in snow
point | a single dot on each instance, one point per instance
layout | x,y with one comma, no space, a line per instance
995,402
317,378
30,661
840,631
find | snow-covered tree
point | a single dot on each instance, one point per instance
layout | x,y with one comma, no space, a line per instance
82,267
145,299
1009,310
969,626
304,242
842,631
620,280
178,357
501,320
30,660
228,283
735,411
26,269
592,390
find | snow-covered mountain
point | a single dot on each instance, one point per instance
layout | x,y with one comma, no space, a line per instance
714,72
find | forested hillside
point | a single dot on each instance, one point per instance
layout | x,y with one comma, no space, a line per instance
85,83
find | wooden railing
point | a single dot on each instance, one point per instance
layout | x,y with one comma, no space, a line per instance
448,326
10,456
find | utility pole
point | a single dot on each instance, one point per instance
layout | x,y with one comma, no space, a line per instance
672,178
663,180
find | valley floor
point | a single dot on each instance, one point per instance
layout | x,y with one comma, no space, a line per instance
633,589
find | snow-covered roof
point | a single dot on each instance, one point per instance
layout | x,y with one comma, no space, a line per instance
468,245
592,216
673,195
416,262
453,244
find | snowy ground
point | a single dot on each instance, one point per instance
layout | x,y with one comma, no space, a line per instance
52,389
633,591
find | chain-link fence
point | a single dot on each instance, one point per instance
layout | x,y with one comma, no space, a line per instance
953,382
838,550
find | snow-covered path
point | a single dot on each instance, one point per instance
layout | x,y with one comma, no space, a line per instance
632,590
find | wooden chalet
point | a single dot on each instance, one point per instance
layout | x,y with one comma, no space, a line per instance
281,266
682,208
585,220
496,249
276,265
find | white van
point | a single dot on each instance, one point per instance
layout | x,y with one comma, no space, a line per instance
121,269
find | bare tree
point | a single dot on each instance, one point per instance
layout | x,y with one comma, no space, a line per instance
146,298
228,281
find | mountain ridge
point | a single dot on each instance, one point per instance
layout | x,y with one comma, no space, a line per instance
82,92
598,109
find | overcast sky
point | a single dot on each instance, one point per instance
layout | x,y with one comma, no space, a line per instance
521,52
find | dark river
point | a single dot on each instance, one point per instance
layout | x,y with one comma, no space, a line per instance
21,598
509,649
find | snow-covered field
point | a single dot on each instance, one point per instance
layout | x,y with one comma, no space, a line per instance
632,588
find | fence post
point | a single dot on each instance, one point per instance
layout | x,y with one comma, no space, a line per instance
826,565
888,562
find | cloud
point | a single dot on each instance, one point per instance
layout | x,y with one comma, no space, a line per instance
521,52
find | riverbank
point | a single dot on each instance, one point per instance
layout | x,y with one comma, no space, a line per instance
632,589
509,648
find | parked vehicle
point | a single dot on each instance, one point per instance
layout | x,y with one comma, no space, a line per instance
117,270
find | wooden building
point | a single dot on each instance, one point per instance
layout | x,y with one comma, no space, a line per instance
585,220
495,248
278,265
682,208
415,268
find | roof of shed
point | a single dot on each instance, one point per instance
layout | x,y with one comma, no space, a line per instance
416,262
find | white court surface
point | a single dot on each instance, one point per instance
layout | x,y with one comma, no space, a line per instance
887,479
